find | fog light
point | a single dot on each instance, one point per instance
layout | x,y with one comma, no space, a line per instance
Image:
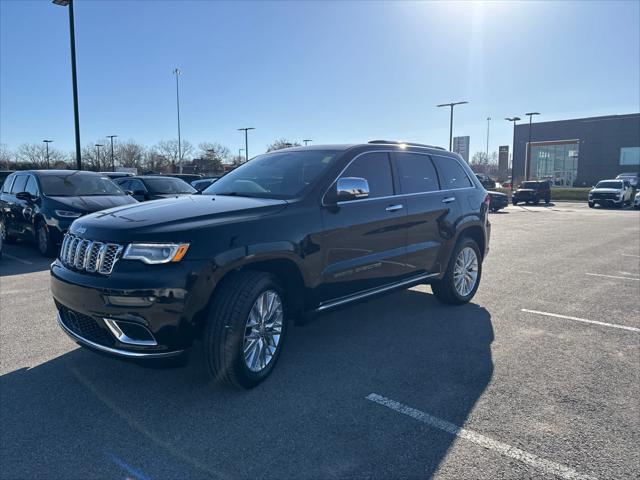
130,301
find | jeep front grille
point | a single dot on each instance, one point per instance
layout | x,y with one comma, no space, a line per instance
92,257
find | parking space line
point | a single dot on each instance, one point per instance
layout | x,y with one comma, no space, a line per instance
630,255
547,466
26,262
612,276
584,320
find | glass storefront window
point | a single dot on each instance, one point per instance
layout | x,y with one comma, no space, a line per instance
556,162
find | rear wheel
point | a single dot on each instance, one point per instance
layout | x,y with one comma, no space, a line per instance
462,278
592,205
547,200
245,329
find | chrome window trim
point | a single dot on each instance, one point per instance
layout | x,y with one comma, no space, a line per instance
398,195
114,351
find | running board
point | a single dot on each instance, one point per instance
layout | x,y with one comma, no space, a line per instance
358,296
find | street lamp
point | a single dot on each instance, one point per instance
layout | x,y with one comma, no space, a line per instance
452,104
98,145
488,121
47,142
246,141
306,142
527,162
113,164
177,73
72,37
513,153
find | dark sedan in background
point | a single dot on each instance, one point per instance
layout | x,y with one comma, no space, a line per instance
155,187
39,205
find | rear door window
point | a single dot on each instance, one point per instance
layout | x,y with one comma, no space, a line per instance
32,186
19,184
375,168
452,175
416,173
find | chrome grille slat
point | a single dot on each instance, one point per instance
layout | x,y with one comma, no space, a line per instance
92,257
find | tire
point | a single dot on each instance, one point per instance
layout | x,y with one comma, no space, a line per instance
536,202
514,202
43,241
225,337
547,200
592,205
445,289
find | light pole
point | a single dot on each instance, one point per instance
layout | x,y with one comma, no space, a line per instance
488,122
240,150
72,37
527,162
306,142
246,141
113,163
513,153
47,142
98,145
177,73
452,104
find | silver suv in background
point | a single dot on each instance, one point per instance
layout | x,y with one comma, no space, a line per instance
615,193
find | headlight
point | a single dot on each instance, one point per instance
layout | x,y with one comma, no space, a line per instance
153,253
68,214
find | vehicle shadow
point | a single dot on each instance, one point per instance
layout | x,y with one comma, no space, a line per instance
82,415
20,258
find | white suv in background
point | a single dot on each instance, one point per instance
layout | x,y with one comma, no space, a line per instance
616,193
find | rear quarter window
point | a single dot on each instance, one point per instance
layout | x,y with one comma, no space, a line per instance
452,175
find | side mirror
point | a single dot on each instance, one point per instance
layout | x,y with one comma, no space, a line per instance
24,196
351,188
128,192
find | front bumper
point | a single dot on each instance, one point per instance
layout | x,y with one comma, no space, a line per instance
166,303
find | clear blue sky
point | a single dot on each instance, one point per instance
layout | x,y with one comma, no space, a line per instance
331,71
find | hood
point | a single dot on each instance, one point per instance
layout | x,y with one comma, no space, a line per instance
168,195
605,190
161,220
93,203
497,194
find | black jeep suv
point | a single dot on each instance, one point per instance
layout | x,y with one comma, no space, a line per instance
533,191
285,235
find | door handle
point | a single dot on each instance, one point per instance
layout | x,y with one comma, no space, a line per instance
393,208
448,199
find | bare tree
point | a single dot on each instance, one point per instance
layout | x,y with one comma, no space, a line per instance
280,144
169,149
35,154
155,162
130,154
211,157
92,161
5,156
481,163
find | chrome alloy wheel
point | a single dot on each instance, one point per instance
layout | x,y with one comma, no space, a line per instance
263,331
465,271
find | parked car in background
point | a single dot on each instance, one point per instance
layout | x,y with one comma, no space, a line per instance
187,177
498,201
291,232
486,181
154,187
533,191
610,193
636,201
39,205
203,183
632,178
114,175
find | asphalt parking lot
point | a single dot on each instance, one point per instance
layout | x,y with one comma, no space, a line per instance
538,378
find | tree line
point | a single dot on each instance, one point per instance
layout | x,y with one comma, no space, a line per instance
163,157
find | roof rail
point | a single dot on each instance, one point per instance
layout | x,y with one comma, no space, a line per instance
412,144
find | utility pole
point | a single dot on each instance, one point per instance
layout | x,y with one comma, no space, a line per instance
246,141
177,73
527,162
306,142
488,122
98,145
240,150
451,105
47,142
113,163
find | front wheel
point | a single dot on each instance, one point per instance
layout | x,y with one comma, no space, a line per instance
246,329
45,245
462,278
592,205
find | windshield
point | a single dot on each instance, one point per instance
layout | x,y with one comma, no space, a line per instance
281,175
532,185
168,185
609,184
78,184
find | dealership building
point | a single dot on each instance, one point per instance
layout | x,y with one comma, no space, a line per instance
578,152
